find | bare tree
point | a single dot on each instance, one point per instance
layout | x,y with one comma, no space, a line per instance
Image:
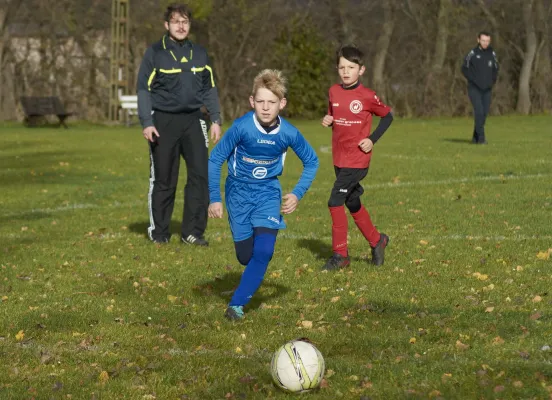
237,57
543,64
524,90
8,10
382,48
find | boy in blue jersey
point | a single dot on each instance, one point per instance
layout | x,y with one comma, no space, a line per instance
255,148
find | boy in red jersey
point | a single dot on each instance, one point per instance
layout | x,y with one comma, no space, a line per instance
350,110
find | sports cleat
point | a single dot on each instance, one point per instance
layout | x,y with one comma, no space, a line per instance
234,313
196,241
337,261
378,252
160,240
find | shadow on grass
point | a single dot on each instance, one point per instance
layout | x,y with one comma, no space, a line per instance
224,286
456,140
142,227
323,250
320,249
24,216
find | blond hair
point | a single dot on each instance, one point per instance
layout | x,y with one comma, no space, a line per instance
271,79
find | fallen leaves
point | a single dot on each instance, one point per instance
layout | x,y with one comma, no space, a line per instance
489,309
103,377
306,324
19,336
537,299
461,346
497,341
544,255
535,316
481,277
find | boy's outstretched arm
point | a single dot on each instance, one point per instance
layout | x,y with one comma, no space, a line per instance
218,156
308,157
367,144
383,125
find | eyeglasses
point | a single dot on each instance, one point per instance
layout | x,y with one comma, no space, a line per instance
180,22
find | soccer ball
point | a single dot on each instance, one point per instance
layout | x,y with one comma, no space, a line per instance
297,366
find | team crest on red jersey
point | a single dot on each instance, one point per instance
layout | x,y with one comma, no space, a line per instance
355,106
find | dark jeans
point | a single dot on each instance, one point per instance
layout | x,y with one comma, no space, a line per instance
481,101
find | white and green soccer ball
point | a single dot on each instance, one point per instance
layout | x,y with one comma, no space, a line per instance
297,366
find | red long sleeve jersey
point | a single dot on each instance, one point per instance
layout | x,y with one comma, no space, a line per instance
352,110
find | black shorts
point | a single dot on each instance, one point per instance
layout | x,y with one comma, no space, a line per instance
347,188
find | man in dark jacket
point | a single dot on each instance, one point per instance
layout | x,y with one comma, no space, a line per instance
175,80
480,67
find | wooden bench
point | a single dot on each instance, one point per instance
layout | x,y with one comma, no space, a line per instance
130,106
35,108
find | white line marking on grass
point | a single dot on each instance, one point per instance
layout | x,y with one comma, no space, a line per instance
448,181
405,157
70,207
495,238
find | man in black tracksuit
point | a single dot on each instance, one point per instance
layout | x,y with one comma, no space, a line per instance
480,67
175,80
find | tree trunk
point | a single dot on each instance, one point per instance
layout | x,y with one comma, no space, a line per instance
342,20
543,64
493,21
442,36
7,12
435,87
524,89
382,48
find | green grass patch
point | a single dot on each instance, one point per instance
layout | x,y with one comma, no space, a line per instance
462,308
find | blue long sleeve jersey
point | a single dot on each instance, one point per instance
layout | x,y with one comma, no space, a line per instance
255,156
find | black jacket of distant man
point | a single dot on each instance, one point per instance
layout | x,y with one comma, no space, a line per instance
480,67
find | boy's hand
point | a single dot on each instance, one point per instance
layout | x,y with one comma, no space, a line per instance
290,203
327,121
215,210
366,145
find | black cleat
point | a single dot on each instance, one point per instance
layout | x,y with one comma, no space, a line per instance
378,252
234,313
196,241
337,261
160,240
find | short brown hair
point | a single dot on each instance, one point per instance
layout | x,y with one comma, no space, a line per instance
351,53
271,79
177,8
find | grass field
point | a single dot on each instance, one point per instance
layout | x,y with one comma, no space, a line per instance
462,308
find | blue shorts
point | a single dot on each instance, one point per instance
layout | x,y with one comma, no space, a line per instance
253,205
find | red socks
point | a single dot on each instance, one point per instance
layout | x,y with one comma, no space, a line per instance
339,230
364,223
340,227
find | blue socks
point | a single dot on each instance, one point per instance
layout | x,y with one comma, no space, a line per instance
253,275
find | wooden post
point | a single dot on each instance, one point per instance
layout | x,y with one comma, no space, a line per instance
120,57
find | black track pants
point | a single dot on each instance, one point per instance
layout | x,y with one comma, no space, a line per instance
180,135
481,102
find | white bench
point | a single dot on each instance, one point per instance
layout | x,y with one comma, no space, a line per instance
130,105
